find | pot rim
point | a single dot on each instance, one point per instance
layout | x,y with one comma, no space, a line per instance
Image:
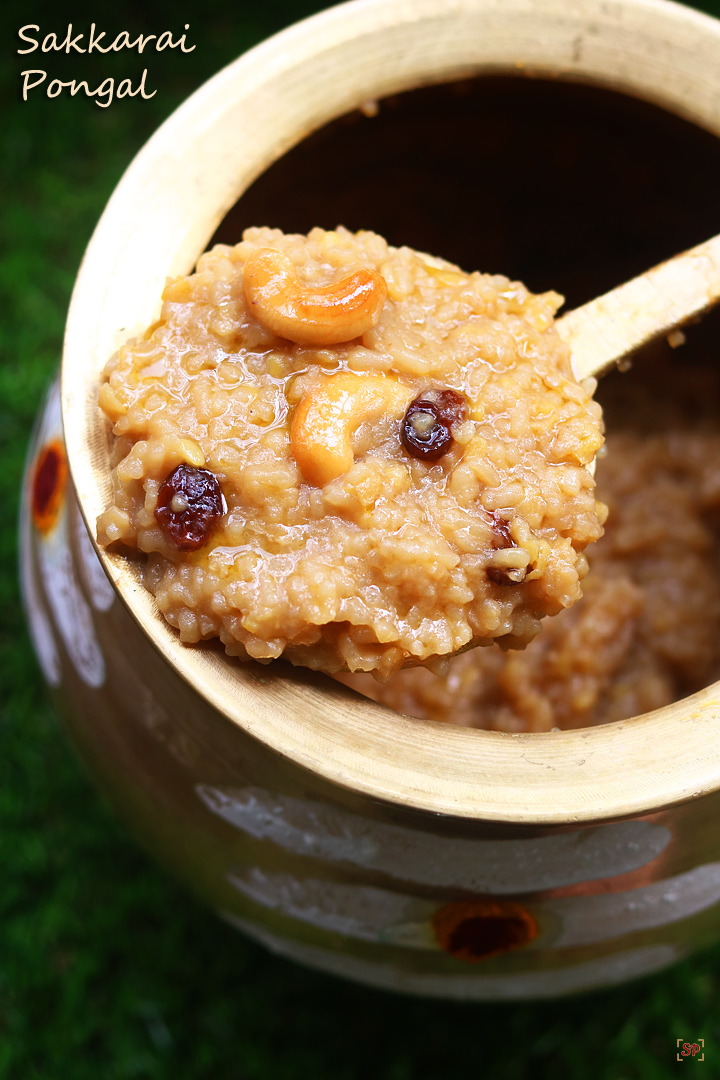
160,218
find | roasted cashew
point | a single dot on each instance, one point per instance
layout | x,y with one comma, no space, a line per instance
311,316
329,414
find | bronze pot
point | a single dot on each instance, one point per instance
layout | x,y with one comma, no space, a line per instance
316,820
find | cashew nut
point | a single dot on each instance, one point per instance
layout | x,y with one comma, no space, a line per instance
311,316
328,415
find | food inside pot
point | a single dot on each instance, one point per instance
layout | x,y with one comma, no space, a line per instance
647,629
565,186
352,455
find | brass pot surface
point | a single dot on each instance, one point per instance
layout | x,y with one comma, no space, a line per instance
316,819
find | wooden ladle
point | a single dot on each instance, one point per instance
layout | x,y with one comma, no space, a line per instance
606,330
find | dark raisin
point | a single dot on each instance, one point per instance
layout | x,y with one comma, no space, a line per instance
190,504
504,575
501,529
427,425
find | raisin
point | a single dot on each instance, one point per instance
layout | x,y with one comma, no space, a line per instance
190,504
427,425
504,575
501,529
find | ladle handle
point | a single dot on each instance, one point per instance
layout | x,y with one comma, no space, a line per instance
612,326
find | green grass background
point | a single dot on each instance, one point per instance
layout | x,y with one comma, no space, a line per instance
107,970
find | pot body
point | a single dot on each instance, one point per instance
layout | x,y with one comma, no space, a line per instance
375,892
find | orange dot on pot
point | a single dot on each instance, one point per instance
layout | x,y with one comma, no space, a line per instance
48,485
474,930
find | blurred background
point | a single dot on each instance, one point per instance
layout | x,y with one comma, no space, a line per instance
106,967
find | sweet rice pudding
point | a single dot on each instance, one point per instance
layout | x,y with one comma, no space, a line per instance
647,629
351,455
